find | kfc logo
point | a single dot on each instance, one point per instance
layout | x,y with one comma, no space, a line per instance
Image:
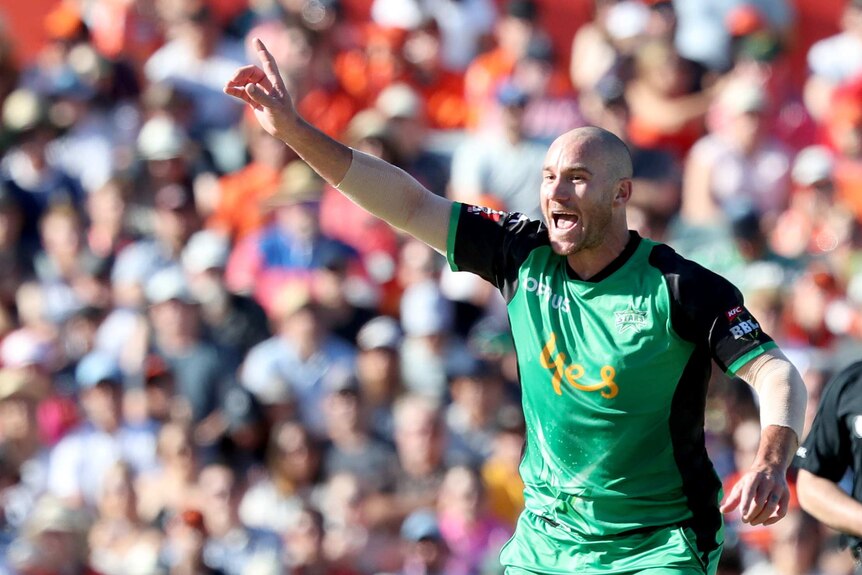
733,312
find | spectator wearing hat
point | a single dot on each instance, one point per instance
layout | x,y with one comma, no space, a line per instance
53,541
351,448
21,447
26,169
79,461
739,162
202,371
233,321
292,244
295,360
424,549
815,222
108,231
378,371
407,128
501,164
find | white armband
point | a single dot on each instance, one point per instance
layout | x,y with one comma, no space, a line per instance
780,390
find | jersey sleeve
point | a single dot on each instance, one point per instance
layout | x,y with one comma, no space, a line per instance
709,309
826,450
491,244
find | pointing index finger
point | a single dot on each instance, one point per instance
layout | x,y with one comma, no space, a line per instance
269,66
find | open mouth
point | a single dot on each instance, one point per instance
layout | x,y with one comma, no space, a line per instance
564,221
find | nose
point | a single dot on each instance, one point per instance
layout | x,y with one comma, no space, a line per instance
557,190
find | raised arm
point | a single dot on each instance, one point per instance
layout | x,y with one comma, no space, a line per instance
762,494
381,188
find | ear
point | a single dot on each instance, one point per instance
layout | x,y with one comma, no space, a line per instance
623,192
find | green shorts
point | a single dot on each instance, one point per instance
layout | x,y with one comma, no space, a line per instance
542,548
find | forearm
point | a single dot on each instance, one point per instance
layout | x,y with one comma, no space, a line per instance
780,391
828,503
777,446
326,156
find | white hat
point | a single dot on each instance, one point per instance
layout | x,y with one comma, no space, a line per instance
382,332
23,348
205,250
166,285
812,164
161,139
399,101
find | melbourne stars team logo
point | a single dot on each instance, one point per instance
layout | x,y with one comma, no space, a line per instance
630,319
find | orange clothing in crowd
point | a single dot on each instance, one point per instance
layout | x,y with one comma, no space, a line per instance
119,29
481,80
445,106
645,135
365,72
329,110
238,212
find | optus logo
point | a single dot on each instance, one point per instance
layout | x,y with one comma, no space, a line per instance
543,290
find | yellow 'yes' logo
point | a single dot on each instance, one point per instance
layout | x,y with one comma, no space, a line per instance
573,372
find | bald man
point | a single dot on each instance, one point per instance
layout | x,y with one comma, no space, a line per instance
615,336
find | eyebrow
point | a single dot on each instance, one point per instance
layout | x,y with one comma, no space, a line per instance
570,169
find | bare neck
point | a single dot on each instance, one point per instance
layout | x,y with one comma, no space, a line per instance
589,262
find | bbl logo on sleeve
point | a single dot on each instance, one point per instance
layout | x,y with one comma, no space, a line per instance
630,320
742,325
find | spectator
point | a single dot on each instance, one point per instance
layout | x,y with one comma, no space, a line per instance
425,550
238,211
378,371
292,244
516,160
184,547
293,464
202,371
304,549
351,448
474,537
738,163
79,462
199,60
296,359
118,536
231,546
233,321
26,169
500,472
166,491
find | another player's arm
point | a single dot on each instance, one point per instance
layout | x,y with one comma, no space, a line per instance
382,189
827,502
762,493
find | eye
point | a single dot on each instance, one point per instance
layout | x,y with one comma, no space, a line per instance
548,177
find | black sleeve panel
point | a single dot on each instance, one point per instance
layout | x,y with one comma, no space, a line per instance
707,309
494,244
826,451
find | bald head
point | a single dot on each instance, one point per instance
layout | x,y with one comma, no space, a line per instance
609,150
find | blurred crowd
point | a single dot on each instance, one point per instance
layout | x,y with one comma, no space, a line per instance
213,363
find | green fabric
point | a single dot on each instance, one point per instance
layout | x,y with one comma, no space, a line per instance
454,216
599,456
759,350
543,549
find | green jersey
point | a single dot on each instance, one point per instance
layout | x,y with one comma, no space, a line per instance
614,374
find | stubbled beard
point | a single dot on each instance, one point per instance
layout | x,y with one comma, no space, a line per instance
594,235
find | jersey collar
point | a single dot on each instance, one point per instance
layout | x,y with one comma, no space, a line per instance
617,263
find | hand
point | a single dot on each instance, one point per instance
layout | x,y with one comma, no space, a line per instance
265,91
762,497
